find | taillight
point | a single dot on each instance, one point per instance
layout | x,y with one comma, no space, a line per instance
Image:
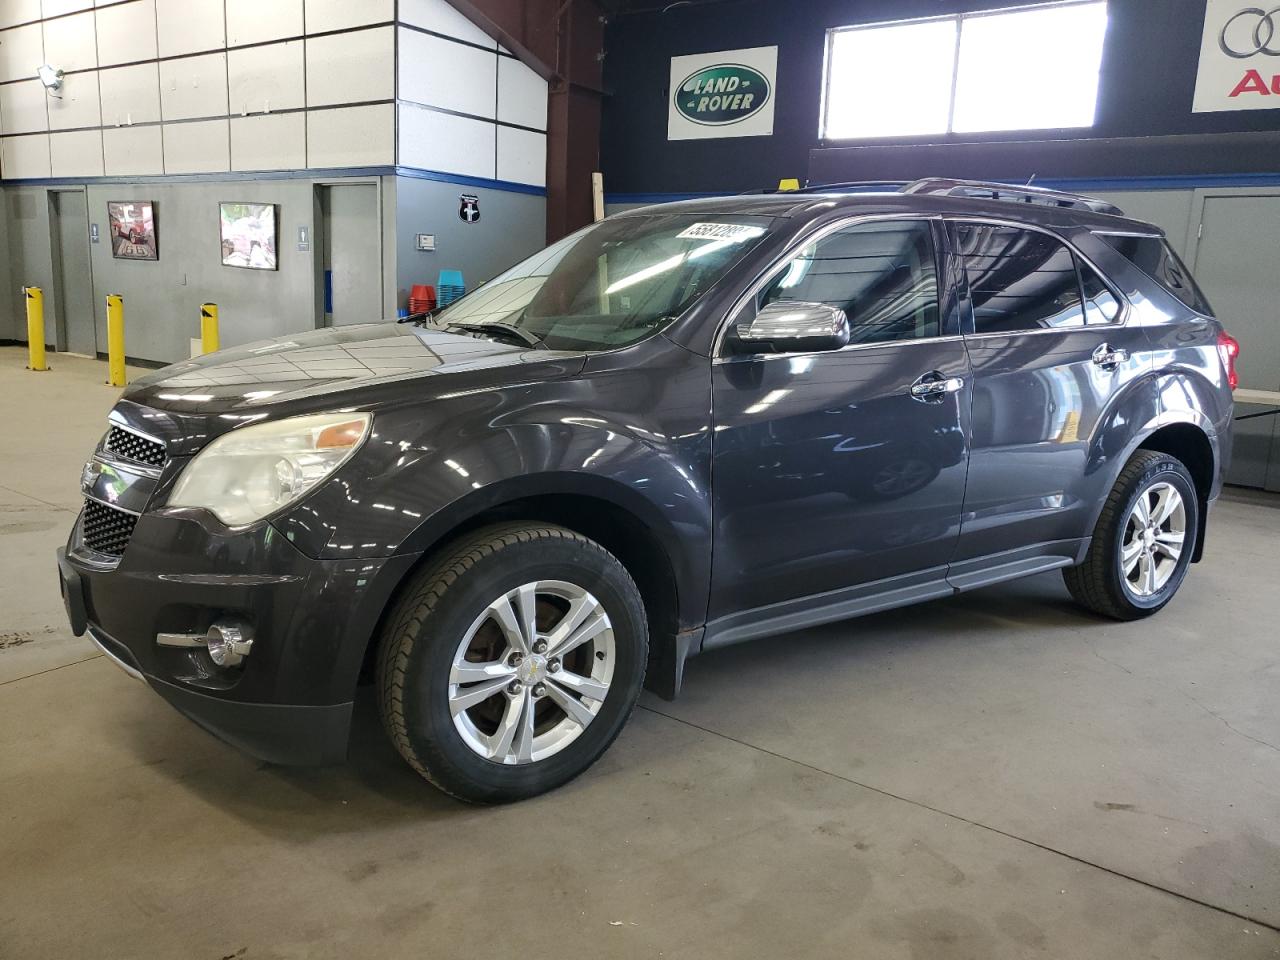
1229,349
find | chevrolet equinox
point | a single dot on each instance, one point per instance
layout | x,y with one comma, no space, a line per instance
685,426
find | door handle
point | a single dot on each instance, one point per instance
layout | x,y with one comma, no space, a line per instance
1109,359
933,387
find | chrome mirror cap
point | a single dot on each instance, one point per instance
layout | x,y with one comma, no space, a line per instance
794,326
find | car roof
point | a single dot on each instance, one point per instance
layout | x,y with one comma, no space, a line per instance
808,205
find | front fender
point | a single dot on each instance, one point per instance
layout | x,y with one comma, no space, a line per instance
429,467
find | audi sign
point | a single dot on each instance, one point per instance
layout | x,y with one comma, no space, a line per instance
1239,58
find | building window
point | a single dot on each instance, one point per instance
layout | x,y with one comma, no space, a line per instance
1027,68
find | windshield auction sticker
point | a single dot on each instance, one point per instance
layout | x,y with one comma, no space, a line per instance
732,232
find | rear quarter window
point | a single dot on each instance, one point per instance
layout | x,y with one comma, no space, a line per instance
1154,257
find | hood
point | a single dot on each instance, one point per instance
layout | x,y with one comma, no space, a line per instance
319,363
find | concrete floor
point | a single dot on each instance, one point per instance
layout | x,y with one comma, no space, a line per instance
994,776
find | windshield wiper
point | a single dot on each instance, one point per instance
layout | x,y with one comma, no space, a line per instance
498,327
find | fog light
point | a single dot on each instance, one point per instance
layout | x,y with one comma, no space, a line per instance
229,643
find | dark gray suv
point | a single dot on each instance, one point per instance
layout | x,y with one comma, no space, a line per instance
683,427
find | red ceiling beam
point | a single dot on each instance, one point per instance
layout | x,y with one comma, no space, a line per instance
563,41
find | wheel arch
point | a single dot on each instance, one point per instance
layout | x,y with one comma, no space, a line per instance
613,515
1190,444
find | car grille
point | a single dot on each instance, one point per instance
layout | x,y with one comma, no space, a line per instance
131,446
106,529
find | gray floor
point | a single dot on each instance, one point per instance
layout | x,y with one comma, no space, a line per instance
998,775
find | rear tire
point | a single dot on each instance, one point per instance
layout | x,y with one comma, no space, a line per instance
1143,540
489,662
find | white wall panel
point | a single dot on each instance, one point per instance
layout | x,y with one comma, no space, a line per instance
269,142
21,51
69,42
78,106
447,74
202,147
18,11
127,32
56,8
522,95
255,21
190,26
267,78
133,151
441,17
22,107
339,14
439,141
77,154
351,136
351,67
25,156
522,156
194,87
130,94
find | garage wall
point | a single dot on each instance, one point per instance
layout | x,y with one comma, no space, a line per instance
467,105
195,86
511,226
162,297
1145,94
188,102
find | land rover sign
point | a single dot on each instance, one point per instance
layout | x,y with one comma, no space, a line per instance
725,94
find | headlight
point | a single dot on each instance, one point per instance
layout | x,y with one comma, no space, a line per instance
249,473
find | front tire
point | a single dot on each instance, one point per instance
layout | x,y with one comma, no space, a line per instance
512,661
1143,540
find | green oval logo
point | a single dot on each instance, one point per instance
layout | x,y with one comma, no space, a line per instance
722,94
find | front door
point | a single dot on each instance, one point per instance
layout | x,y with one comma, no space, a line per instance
1050,350
829,471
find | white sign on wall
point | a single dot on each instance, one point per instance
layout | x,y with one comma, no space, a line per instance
724,94
1239,66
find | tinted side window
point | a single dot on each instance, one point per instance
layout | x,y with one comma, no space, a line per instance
1100,304
1018,279
1154,257
882,274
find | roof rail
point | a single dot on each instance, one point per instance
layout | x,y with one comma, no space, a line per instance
992,190
894,186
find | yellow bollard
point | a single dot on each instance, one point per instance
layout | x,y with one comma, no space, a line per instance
35,328
115,340
208,328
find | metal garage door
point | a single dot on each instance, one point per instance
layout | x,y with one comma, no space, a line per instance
1235,264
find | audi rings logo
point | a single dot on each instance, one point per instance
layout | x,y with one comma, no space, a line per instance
1264,38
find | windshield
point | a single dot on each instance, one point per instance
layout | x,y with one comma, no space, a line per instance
611,284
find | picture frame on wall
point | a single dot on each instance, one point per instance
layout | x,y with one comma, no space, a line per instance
248,235
133,229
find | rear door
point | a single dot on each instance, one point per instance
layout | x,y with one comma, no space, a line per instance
1049,349
828,471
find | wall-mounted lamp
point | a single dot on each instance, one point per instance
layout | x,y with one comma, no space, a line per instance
51,77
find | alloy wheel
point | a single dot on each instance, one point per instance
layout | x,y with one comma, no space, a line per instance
1153,539
532,672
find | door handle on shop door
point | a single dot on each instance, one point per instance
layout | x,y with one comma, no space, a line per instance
1108,358
933,387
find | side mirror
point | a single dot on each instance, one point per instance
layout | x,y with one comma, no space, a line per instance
794,326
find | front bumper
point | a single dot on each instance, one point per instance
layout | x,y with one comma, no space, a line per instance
290,702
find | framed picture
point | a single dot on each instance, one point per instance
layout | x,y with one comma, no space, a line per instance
248,233
133,229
